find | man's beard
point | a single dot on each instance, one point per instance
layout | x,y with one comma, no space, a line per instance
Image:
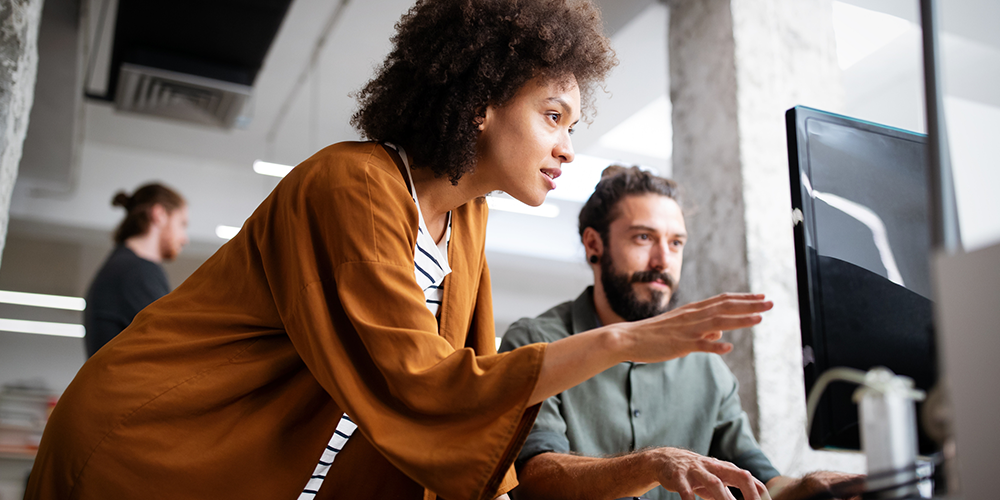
167,252
622,297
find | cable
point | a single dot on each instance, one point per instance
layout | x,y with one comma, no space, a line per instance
878,379
833,374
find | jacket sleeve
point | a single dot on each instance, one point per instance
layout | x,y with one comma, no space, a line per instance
336,241
548,434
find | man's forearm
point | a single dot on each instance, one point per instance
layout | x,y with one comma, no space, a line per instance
555,475
559,476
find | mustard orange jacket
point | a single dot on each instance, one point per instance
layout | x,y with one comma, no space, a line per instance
231,385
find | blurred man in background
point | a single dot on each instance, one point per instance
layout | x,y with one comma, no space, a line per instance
154,230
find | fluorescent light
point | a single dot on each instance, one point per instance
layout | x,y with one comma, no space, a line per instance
861,32
43,300
226,232
42,328
272,169
511,205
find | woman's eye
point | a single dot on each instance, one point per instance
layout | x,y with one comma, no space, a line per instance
571,130
555,116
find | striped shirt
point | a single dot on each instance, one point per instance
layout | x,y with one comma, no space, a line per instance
430,266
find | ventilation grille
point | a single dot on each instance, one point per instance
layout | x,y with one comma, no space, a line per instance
154,91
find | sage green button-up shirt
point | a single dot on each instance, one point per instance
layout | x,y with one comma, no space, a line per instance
689,403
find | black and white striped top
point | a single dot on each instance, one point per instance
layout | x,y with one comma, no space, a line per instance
430,266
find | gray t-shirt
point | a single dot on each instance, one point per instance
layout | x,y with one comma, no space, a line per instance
125,285
690,402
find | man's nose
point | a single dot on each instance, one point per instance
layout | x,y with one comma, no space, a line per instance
659,257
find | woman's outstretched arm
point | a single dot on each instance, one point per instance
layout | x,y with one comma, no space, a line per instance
695,327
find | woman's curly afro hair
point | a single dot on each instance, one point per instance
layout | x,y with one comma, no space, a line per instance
453,58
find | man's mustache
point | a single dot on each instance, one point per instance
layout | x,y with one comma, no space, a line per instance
652,275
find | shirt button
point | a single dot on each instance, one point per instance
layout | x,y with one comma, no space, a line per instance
635,413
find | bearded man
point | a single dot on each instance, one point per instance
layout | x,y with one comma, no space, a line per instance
153,231
661,430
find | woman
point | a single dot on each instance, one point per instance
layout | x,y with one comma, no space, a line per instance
319,311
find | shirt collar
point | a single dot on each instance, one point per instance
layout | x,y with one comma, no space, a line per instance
583,312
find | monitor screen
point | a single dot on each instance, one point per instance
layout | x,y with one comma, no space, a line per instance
862,241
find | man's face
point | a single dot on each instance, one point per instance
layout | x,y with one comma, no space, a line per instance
643,254
174,234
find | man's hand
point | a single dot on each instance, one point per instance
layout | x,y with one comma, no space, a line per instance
839,485
558,476
691,474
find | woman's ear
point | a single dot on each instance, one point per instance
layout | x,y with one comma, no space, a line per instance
484,117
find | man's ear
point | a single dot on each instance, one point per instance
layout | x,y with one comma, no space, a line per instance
158,215
592,244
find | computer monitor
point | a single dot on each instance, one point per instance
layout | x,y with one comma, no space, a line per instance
862,246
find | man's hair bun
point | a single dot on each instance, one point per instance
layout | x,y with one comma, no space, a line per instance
121,200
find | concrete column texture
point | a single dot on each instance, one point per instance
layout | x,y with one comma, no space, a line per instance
19,22
735,67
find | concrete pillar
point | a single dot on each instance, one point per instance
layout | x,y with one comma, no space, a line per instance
735,67
19,22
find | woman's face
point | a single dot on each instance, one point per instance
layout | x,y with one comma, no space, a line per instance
524,142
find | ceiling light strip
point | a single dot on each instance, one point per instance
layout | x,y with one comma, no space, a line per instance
42,300
272,169
226,232
42,328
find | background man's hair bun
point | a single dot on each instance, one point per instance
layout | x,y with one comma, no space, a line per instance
121,200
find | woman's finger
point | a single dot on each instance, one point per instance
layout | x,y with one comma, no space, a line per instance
723,297
710,347
731,308
708,326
